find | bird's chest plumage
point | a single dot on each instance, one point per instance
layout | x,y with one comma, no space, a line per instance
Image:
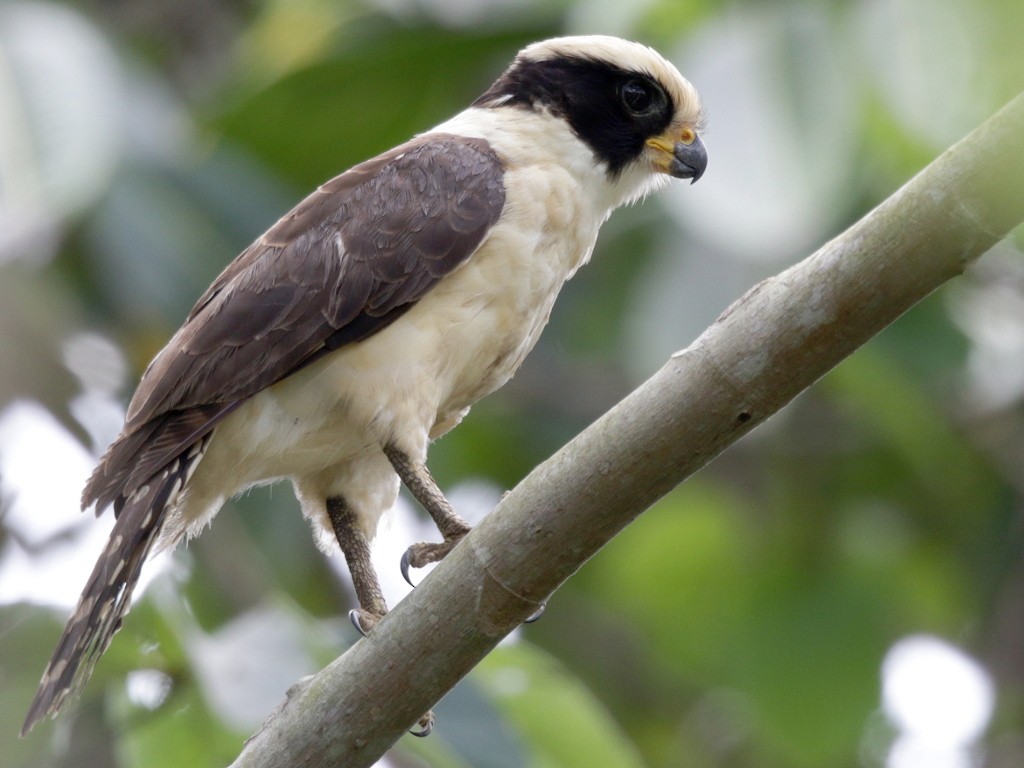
483,339
502,298
497,304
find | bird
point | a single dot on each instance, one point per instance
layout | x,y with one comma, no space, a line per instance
363,324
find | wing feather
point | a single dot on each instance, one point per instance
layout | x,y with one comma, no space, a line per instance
344,263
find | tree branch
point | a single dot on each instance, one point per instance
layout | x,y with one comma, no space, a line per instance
765,349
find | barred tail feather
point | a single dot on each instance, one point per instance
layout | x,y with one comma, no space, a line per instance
107,595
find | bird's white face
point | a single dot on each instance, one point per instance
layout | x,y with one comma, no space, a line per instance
634,108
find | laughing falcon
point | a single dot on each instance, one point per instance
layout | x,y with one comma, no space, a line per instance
367,321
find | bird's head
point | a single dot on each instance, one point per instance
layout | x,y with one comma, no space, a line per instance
638,115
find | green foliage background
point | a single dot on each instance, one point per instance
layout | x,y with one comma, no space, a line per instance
744,619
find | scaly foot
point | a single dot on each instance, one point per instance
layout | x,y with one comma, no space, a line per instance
424,553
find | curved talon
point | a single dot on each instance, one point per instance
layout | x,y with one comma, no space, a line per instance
353,616
356,617
422,732
403,566
536,614
425,726
425,553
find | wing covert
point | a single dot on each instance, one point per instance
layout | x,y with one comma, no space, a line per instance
368,242
344,263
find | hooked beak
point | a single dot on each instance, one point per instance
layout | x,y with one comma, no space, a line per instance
682,157
689,161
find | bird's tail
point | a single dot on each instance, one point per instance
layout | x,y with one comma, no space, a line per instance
107,595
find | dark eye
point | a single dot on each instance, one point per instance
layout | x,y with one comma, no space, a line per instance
640,97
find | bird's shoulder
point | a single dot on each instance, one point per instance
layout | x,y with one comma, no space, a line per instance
365,245
434,185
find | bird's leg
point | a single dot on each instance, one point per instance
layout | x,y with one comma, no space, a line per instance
372,607
356,549
421,484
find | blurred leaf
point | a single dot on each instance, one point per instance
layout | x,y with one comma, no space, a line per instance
684,570
149,234
288,34
663,20
157,742
378,90
957,490
493,441
808,657
562,722
26,637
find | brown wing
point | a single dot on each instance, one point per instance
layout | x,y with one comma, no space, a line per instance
346,262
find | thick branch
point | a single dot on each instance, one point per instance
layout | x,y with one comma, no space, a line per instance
770,345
